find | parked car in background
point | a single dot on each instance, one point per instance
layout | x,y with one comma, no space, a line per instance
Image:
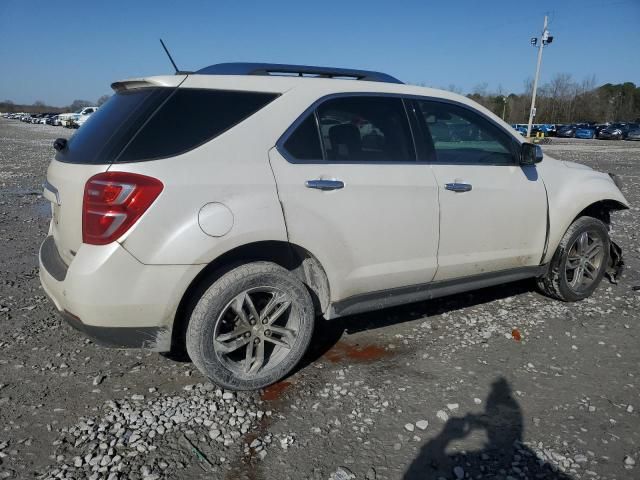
547,129
585,131
600,127
160,238
634,133
66,119
615,131
521,129
63,118
567,131
81,119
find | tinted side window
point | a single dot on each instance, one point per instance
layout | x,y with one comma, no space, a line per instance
459,135
112,126
190,118
304,142
361,129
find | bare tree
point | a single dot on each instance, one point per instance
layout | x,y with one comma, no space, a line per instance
102,100
78,104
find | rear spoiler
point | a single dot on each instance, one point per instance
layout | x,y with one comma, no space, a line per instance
159,81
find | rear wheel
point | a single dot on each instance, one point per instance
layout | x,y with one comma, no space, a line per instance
251,327
580,261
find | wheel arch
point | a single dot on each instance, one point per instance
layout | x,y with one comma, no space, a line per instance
600,209
294,258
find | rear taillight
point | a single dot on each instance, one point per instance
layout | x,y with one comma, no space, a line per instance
112,203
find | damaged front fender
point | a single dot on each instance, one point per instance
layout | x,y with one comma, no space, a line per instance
616,263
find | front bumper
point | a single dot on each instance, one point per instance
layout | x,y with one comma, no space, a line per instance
109,295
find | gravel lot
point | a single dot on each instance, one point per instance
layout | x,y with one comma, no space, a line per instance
499,383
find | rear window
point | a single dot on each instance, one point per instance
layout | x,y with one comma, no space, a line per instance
155,123
108,130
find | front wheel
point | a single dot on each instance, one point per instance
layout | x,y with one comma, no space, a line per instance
251,327
579,263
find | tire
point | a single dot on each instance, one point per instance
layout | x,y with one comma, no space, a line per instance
243,305
558,282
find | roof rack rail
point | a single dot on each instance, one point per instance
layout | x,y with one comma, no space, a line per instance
297,70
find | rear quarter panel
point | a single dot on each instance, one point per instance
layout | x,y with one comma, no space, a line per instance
232,169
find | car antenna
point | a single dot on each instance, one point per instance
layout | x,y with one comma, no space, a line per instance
178,72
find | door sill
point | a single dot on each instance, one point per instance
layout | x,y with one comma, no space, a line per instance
427,291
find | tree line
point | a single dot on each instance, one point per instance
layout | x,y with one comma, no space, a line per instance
563,100
41,107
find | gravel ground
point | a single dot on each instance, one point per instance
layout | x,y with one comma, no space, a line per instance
499,383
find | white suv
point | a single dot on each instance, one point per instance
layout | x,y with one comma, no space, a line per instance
227,209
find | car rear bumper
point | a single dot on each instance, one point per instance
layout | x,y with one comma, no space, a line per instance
109,295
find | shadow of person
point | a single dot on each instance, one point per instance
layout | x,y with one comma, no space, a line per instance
502,456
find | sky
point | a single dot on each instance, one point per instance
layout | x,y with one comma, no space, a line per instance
58,51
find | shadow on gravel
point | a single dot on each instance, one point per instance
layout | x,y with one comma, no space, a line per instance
328,333
504,453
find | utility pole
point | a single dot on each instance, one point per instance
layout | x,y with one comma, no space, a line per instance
546,39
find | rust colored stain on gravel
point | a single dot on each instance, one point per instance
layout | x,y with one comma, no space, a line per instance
515,333
274,392
345,351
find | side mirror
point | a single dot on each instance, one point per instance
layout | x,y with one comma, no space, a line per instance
530,154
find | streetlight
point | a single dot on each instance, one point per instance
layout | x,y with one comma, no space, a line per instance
545,40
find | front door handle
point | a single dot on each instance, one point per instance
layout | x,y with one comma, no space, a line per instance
324,184
458,187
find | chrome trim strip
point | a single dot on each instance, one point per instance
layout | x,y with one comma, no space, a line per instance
47,186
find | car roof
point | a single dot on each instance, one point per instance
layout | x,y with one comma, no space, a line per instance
317,84
305,71
283,83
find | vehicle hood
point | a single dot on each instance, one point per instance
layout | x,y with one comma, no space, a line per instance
577,166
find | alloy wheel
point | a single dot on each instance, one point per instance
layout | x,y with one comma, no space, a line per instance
584,260
256,330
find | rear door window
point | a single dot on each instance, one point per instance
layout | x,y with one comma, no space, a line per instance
304,142
365,129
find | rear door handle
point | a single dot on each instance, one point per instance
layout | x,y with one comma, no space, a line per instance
458,187
324,184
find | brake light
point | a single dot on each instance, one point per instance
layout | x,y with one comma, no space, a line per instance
113,202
